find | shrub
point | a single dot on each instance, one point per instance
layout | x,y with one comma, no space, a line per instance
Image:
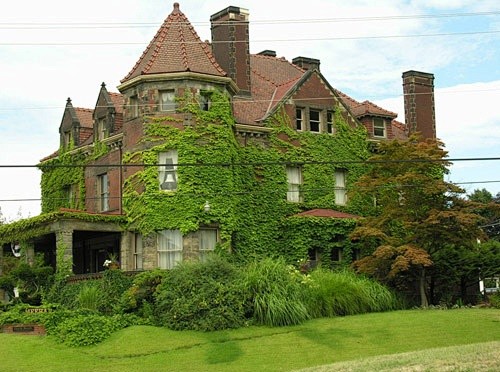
275,294
112,286
139,298
495,300
83,330
201,296
331,293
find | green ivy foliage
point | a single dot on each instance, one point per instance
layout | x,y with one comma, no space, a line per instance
245,185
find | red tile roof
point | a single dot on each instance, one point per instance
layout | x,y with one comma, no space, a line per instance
371,109
328,213
176,47
271,78
118,101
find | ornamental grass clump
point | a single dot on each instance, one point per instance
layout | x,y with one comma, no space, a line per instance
274,292
345,293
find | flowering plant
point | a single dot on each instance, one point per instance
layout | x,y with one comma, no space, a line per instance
107,263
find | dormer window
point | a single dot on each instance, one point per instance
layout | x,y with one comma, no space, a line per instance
379,128
101,128
67,137
167,100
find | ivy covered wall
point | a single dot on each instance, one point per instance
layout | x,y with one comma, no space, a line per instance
245,186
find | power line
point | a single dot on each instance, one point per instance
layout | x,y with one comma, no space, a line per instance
70,25
336,38
243,164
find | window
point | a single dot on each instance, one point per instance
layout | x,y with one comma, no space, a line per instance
299,119
336,255
340,188
205,100
103,188
169,248
167,170
138,252
379,127
207,239
73,195
134,107
329,122
167,100
67,138
294,178
314,121
101,129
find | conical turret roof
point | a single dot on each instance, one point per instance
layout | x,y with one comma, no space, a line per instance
176,47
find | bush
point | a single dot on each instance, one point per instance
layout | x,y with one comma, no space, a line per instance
274,292
331,293
83,330
112,286
201,296
139,298
495,300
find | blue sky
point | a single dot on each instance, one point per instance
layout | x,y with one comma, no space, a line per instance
50,51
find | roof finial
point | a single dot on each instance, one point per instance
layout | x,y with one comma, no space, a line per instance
176,7
103,85
68,101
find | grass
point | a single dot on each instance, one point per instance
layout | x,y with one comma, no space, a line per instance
369,338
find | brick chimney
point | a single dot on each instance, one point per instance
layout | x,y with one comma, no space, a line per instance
306,63
231,45
418,89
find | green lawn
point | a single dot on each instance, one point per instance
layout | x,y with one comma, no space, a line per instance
317,342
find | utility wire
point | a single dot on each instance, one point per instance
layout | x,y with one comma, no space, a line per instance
258,41
95,25
243,164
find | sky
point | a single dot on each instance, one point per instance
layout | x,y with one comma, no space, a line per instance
53,50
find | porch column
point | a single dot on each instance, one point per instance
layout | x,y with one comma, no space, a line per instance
126,251
64,249
29,249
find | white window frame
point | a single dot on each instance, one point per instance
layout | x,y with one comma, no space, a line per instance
294,180
379,124
170,245
167,170
167,100
103,189
207,239
340,186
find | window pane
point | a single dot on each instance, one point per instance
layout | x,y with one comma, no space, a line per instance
299,119
167,170
340,189
208,240
379,127
169,248
103,192
329,122
167,100
314,121
294,178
